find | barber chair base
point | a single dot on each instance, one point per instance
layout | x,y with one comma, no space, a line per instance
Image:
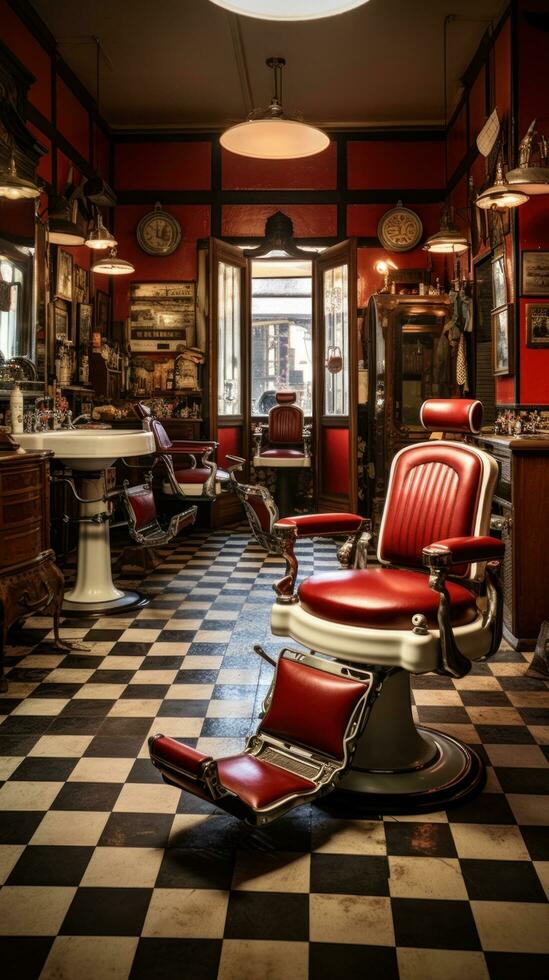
128,601
454,774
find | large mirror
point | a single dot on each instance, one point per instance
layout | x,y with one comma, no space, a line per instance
22,299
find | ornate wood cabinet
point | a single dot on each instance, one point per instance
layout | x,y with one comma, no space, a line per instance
29,578
409,359
520,504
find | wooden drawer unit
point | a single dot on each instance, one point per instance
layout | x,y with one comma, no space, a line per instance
29,579
519,504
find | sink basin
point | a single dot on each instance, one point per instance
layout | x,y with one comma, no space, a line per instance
90,449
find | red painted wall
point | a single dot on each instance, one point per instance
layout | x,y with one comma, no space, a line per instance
374,164
25,47
312,173
335,478
163,166
230,441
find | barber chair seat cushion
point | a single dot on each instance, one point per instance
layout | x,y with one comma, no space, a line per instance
260,784
282,454
199,475
382,598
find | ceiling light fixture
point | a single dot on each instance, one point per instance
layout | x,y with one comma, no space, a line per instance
526,178
62,226
448,240
100,237
289,9
501,194
269,134
13,187
112,265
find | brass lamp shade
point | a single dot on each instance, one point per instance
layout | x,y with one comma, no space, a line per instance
112,265
15,188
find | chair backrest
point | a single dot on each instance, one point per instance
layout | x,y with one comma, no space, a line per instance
161,438
140,506
312,708
285,420
438,489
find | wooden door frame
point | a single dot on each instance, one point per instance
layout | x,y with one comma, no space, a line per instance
343,253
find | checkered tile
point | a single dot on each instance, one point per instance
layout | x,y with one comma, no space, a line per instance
93,844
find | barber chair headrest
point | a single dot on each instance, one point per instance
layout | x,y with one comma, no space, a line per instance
451,415
142,411
285,397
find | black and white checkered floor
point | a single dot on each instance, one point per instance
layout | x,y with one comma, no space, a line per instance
109,873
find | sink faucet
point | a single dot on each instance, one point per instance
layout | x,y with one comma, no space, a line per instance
72,423
46,416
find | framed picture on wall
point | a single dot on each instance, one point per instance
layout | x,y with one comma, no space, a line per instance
81,284
102,311
535,274
502,340
85,316
537,324
61,321
499,282
64,275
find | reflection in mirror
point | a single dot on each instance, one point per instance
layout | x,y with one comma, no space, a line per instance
336,340
423,367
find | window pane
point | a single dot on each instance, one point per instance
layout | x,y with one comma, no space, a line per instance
281,340
229,395
336,338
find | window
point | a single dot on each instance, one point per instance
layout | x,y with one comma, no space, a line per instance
336,339
281,347
229,358
10,320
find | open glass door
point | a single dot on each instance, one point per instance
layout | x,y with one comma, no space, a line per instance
336,388
223,302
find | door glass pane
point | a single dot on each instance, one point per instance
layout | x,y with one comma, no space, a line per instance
281,334
335,286
229,394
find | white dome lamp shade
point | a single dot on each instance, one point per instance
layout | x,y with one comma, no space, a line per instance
289,9
269,134
112,265
449,240
501,194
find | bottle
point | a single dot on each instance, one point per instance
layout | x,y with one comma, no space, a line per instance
16,408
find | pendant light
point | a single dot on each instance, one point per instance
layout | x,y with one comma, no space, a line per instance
112,265
528,179
100,237
289,9
269,134
501,194
13,187
448,240
62,227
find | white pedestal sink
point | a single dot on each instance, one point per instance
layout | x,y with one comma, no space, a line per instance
89,452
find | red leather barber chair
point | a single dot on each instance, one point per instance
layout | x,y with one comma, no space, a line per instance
377,626
191,470
284,445
278,535
146,529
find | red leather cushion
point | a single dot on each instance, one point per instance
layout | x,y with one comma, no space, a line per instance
260,784
311,707
161,437
309,524
282,454
285,397
451,414
173,753
472,549
381,598
285,424
261,511
433,494
141,502
199,475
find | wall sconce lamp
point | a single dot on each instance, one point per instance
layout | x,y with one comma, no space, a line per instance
501,194
100,237
449,240
13,187
383,267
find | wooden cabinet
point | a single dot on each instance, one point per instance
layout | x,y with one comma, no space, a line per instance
29,578
520,505
409,359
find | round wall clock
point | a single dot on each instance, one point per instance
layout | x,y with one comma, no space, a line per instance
158,233
400,229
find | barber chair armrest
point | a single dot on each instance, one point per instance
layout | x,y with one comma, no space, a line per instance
317,525
353,553
186,767
193,446
462,551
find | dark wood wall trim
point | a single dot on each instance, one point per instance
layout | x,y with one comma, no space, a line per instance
343,197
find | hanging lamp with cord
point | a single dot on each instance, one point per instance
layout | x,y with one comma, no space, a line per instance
112,265
501,194
270,134
12,186
532,174
289,9
448,239
99,237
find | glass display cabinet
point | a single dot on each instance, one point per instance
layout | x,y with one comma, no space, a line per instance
410,359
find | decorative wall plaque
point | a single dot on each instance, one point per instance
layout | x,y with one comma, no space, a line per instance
400,229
